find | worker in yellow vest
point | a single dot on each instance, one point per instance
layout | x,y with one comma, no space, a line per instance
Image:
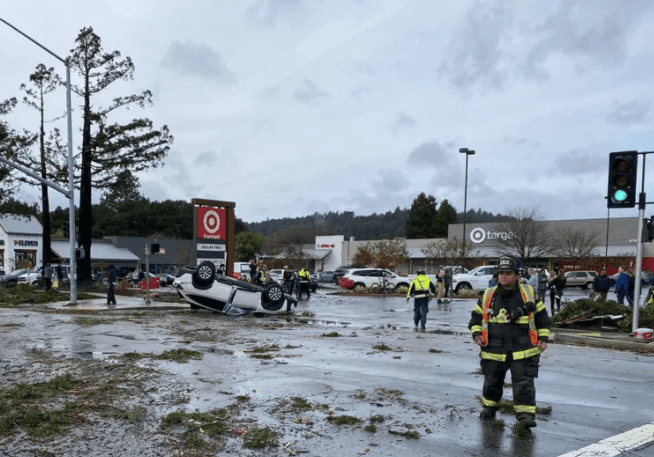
305,279
421,289
512,327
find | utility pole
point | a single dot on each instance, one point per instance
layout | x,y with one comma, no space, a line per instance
70,193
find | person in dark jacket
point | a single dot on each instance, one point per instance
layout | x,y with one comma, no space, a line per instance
253,271
288,280
542,283
557,285
621,286
111,297
511,326
602,283
47,276
447,279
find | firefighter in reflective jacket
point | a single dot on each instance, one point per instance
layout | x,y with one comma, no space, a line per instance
511,325
305,278
420,290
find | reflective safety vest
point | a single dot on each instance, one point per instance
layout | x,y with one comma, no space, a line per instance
421,290
527,293
304,275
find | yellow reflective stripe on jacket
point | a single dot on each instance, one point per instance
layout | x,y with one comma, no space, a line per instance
519,355
524,409
491,356
475,329
544,332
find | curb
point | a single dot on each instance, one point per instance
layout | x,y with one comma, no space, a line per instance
595,339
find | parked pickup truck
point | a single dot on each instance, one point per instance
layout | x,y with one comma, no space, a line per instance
476,279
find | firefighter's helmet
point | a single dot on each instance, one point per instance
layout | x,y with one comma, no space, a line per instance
508,263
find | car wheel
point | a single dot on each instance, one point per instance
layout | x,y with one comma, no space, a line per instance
463,287
204,273
359,287
399,287
273,297
588,286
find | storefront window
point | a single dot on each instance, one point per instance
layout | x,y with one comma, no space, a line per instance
24,257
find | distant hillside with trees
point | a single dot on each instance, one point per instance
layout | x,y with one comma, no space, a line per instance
123,213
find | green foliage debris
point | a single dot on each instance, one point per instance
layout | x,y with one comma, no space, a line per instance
179,355
381,347
260,438
331,334
343,420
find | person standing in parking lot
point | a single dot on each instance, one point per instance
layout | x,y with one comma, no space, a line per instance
111,296
557,285
440,286
421,288
288,280
621,285
47,276
305,278
447,281
542,283
602,283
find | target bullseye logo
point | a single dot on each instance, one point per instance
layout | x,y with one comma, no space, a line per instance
477,235
211,221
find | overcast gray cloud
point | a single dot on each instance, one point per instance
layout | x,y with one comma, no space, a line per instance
403,122
629,112
308,93
196,59
348,105
478,47
274,12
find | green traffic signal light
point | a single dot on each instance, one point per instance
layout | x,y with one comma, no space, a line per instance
619,195
623,167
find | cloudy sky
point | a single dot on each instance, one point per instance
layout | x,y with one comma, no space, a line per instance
290,107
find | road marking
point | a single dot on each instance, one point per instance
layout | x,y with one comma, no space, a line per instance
617,444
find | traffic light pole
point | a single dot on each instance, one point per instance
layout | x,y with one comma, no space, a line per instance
642,201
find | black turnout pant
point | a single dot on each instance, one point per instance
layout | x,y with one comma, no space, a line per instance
523,373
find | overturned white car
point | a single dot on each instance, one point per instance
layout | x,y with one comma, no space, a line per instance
201,287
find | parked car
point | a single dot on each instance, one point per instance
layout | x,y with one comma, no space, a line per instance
362,278
201,287
12,278
31,276
583,279
476,279
326,276
340,271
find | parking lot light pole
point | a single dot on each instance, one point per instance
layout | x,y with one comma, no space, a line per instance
70,193
467,152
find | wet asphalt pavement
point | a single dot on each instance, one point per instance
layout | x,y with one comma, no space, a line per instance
425,382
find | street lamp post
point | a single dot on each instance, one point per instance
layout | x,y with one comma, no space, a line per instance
70,192
467,152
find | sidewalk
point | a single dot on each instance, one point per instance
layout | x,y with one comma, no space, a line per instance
608,340
124,303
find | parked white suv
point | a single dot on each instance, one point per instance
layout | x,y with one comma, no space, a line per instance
31,276
476,279
367,277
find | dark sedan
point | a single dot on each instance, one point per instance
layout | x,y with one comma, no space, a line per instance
12,278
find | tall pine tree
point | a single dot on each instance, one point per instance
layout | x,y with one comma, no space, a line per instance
109,148
422,217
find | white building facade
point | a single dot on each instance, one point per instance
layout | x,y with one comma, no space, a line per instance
20,241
